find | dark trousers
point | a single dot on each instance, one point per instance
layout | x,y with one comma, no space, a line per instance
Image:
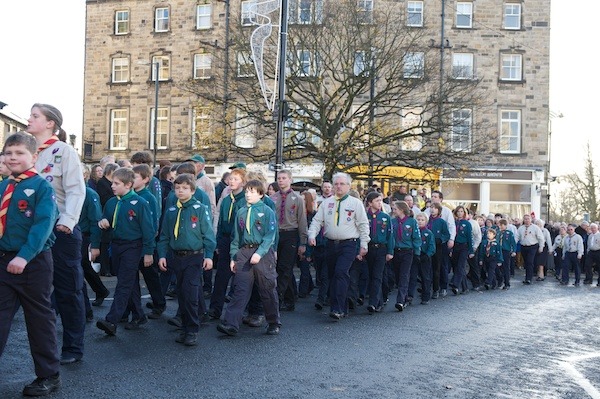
474,274
222,277
287,253
264,273
92,278
402,262
436,264
306,284
528,254
388,281
460,254
321,270
126,257
420,268
376,264
152,280
570,260
104,258
340,255
491,265
31,290
188,270
592,259
558,262
355,272
68,290
506,260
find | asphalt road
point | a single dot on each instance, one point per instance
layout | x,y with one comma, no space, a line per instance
538,341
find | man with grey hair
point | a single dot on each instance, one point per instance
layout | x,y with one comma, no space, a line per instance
572,253
410,201
532,241
346,227
593,254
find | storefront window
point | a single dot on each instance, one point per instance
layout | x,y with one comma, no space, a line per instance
461,192
510,192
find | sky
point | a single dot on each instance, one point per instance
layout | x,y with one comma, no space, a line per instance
43,47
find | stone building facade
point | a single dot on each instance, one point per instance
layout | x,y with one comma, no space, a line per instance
9,123
505,43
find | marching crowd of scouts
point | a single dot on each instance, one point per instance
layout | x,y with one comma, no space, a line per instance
252,234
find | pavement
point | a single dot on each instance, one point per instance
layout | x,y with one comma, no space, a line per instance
538,341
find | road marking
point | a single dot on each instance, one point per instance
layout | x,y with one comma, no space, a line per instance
568,365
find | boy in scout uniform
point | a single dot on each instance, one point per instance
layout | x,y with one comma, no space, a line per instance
131,221
26,265
187,231
253,258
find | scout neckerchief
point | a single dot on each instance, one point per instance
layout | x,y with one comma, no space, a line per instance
119,200
400,226
487,248
48,143
373,223
337,209
232,197
249,218
284,195
5,201
176,230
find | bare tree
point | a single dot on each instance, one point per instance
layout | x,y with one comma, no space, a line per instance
363,90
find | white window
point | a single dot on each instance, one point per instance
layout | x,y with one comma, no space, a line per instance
204,16
306,63
364,9
464,15
120,70
164,69
512,16
201,132
414,13
414,65
511,67
121,22
202,66
244,131
412,126
162,132
361,64
298,131
510,131
462,66
306,12
248,12
118,129
161,19
245,66
460,139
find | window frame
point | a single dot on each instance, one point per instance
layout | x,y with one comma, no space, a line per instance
244,60
118,123
162,128
120,22
460,13
458,67
517,17
408,60
247,131
164,71
120,69
201,128
306,67
206,68
200,16
158,19
364,11
411,13
507,124
507,70
248,12
462,126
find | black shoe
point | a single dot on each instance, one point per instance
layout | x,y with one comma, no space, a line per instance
228,330
42,386
287,307
527,282
379,309
487,286
227,298
576,284
360,301
506,287
190,339
424,302
540,279
149,305
156,313
587,282
371,309
273,329
99,299
255,321
175,322
106,326
135,324
336,315
89,316
213,314
68,359
319,305
180,338
400,306
443,292
171,294
435,295
302,295
455,290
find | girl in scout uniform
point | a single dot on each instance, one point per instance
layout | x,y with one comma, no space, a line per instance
407,244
